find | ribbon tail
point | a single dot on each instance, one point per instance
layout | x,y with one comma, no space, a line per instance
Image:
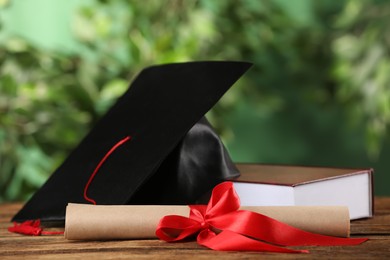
230,241
273,231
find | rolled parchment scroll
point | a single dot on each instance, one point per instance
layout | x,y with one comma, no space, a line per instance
103,222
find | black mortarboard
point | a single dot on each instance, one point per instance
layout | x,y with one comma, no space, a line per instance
173,156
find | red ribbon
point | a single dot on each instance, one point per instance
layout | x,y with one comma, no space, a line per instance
221,226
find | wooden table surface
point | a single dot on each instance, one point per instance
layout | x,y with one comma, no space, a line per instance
15,246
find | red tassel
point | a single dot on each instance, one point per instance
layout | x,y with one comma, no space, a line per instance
32,228
124,140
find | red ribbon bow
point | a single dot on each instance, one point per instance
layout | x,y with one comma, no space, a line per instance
220,225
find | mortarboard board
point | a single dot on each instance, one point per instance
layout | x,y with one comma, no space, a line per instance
165,150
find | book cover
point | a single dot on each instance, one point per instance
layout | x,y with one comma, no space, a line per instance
278,185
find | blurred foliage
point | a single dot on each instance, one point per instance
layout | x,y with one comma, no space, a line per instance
309,57
362,65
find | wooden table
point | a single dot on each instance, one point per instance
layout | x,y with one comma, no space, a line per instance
14,246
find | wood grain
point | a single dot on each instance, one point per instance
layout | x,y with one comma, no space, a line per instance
14,246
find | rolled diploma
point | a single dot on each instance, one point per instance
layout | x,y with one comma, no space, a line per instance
102,222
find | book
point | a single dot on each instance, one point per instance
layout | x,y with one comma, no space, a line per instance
278,185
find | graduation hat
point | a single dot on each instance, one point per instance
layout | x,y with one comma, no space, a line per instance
152,147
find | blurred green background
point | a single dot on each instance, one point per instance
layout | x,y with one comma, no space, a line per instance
318,93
